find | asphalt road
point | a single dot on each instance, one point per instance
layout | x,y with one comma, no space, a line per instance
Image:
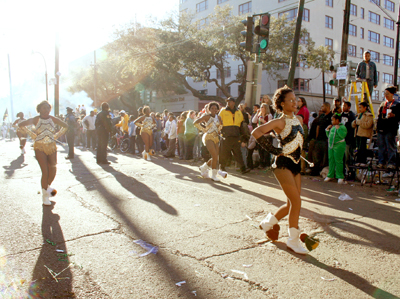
206,233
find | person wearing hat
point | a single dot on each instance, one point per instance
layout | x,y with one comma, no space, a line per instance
71,121
387,126
124,123
232,119
103,129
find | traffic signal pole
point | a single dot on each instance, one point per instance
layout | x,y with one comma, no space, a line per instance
295,44
396,58
345,42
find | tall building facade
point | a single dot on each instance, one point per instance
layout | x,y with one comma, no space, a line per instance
372,27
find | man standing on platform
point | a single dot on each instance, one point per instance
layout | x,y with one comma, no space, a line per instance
71,121
366,70
103,129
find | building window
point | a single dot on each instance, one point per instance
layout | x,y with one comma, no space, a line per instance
228,72
353,9
387,78
202,23
304,38
362,32
389,5
388,41
183,1
361,52
329,3
353,30
221,1
328,22
374,37
377,73
374,18
388,60
244,8
362,13
374,56
301,84
202,6
328,88
376,1
329,43
292,14
389,24
302,62
241,69
375,96
352,51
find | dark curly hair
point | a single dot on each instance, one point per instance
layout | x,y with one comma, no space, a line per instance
279,97
213,104
41,104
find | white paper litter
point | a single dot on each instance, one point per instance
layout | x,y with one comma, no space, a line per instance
179,284
59,250
328,279
249,217
350,209
344,196
241,272
194,292
247,266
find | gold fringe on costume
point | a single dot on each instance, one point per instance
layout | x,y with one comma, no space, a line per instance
44,146
146,130
211,136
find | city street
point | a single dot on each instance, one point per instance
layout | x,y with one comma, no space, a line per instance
207,235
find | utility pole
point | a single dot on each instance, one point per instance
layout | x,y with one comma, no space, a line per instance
323,85
345,42
57,76
295,44
396,58
95,81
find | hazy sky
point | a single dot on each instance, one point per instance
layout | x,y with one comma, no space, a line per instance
83,26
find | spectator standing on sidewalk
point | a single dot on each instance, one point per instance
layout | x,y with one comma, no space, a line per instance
303,110
364,125
139,140
157,133
348,117
181,134
190,135
90,129
132,135
172,134
103,129
72,124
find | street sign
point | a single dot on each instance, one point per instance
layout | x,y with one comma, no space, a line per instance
341,73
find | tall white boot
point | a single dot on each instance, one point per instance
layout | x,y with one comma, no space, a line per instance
224,174
214,175
148,156
45,197
204,169
293,242
270,226
51,191
144,154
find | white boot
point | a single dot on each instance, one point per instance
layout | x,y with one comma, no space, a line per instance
144,154
45,197
148,156
268,222
204,169
224,174
293,242
51,191
22,151
214,175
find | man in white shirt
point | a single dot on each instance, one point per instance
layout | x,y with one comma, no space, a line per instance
166,129
172,135
90,129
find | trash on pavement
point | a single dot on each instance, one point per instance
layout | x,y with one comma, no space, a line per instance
249,217
148,247
59,250
247,266
241,272
194,292
328,279
179,284
350,209
197,205
344,196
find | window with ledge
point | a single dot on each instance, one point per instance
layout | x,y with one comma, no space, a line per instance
328,88
329,3
388,60
298,84
387,78
388,41
329,22
389,24
201,6
353,9
374,37
362,32
352,50
389,5
361,52
292,14
304,38
352,30
362,13
374,18
329,43
374,56
244,8
375,96
376,1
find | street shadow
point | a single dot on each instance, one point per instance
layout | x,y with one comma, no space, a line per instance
347,276
18,163
43,284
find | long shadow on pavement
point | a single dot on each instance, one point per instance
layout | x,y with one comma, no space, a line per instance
18,163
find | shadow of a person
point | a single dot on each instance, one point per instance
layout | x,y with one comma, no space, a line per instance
15,164
44,285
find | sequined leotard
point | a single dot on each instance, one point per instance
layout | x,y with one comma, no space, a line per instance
18,128
291,139
45,130
211,130
148,125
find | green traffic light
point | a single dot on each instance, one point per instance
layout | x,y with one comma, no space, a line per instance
263,44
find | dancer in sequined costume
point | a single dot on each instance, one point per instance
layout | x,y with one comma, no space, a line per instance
147,124
211,124
289,132
45,136
21,135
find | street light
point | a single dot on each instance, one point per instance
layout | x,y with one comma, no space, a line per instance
45,66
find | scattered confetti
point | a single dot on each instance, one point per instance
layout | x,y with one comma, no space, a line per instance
179,284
